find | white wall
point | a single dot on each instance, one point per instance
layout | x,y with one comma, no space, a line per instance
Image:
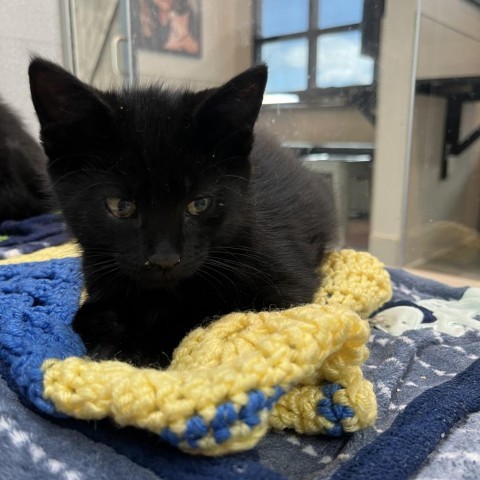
26,28
318,125
449,39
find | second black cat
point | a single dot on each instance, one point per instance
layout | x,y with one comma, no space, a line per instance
24,189
182,211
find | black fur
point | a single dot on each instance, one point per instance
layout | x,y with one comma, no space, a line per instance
256,247
24,190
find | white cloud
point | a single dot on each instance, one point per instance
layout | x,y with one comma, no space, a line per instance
340,63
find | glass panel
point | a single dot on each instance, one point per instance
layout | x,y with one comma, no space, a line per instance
340,62
287,61
281,17
443,200
335,13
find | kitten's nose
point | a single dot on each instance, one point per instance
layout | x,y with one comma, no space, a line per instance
165,261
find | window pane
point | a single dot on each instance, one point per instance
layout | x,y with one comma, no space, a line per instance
287,62
280,17
335,13
340,62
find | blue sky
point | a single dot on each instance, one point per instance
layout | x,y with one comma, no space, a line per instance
291,16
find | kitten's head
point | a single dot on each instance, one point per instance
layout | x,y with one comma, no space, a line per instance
148,179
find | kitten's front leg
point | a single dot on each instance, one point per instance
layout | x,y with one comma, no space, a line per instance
100,328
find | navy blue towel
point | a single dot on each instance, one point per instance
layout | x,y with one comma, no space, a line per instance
35,233
400,451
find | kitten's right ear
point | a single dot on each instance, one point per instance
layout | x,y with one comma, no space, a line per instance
60,98
226,118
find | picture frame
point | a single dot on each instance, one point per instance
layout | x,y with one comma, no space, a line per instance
167,26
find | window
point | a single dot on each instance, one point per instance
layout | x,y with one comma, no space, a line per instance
312,45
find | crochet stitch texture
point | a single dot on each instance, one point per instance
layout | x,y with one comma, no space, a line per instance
228,382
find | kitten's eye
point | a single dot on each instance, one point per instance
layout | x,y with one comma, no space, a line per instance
121,208
199,205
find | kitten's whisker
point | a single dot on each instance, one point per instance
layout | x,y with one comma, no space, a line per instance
222,268
238,177
63,177
205,275
244,251
105,268
212,268
238,268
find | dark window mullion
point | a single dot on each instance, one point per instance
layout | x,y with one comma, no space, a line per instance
257,8
288,36
341,28
312,45
257,19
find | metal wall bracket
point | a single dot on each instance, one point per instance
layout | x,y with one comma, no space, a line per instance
456,91
452,145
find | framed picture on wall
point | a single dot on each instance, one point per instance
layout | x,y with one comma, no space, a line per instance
169,26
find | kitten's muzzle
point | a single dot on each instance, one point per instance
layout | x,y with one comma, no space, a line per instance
163,262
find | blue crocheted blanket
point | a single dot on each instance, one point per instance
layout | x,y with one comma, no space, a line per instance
427,383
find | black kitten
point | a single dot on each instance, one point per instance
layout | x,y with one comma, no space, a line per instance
182,212
24,190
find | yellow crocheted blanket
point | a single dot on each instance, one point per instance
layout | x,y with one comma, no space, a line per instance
244,373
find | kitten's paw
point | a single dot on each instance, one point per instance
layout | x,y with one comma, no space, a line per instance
101,331
93,325
104,351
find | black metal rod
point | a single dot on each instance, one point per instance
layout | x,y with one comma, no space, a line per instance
460,148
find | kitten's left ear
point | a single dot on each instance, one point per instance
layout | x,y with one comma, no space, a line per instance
230,113
61,99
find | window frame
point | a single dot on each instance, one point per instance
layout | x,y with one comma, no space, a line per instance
361,96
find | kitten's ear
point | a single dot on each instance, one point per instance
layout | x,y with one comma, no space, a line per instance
60,98
229,114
